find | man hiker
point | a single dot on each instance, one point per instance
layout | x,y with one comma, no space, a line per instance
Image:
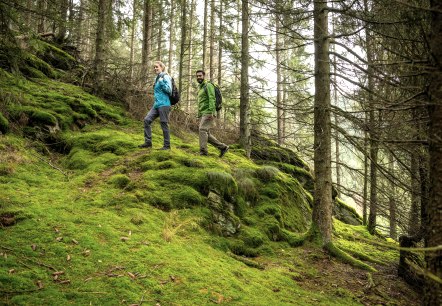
207,112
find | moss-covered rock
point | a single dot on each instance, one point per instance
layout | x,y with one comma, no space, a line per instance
345,213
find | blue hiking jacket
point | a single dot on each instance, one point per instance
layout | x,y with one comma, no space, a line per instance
161,90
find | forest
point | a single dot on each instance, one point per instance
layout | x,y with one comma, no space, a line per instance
332,111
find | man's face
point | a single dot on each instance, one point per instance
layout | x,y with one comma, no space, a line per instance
199,77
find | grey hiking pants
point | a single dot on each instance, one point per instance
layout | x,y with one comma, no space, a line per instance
163,113
206,124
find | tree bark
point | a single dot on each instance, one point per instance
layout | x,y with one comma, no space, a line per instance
147,37
433,290
413,224
100,47
183,41
322,207
244,107
392,202
279,124
171,34
206,4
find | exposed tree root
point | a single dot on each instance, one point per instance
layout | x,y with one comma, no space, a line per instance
347,258
362,256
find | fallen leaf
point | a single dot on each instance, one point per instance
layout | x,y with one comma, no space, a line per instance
88,279
124,239
172,278
68,258
74,241
56,230
34,247
67,281
58,273
86,253
11,271
39,285
130,233
59,239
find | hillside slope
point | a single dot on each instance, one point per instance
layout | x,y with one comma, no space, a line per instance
88,218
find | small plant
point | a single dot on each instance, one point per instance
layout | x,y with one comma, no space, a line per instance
174,225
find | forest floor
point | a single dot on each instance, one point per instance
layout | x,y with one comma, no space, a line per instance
383,287
101,222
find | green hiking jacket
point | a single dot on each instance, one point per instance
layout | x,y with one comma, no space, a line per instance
206,99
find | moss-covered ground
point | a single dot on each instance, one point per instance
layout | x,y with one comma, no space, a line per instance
88,218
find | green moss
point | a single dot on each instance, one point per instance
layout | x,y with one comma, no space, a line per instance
272,228
293,239
34,62
82,107
119,180
238,247
252,237
222,183
4,124
186,197
247,188
266,173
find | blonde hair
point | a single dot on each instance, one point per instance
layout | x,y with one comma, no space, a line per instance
161,65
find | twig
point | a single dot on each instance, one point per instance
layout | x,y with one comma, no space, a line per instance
50,164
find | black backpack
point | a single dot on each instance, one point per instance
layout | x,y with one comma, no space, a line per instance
218,96
174,97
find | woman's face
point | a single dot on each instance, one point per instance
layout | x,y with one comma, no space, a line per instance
157,68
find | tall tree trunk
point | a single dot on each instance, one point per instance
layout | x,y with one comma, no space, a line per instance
244,104
392,202
100,46
160,31
132,40
220,47
433,290
183,41
280,136
42,6
206,4
212,41
413,224
322,207
147,37
64,7
366,166
372,131
171,33
189,62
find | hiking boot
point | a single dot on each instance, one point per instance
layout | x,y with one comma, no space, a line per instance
145,145
223,151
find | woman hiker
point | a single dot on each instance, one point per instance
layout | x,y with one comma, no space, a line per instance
161,107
